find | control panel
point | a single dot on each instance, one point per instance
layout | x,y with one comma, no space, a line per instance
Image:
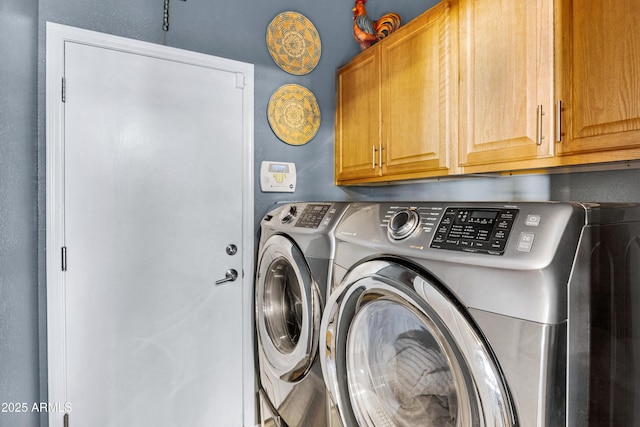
480,230
306,215
487,233
312,215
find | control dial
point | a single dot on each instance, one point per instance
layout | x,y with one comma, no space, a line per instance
289,214
402,224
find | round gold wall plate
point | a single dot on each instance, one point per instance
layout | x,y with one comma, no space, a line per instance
294,43
294,115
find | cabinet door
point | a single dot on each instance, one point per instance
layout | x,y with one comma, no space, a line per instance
506,81
357,139
599,76
419,95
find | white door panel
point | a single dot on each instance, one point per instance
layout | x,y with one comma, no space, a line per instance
153,190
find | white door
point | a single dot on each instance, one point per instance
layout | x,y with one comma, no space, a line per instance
150,180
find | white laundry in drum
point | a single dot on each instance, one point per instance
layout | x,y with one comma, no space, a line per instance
422,384
398,374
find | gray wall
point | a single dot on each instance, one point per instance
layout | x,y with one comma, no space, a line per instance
19,375
232,29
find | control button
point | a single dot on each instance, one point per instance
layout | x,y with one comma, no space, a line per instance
443,230
481,245
532,220
498,244
483,235
510,215
279,177
504,224
525,242
289,215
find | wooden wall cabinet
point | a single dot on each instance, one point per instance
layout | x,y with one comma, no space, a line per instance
470,87
359,118
506,83
420,92
576,62
397,103
598,80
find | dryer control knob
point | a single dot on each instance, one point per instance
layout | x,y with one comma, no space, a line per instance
402,224
289,215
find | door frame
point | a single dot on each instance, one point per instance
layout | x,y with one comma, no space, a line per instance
57,36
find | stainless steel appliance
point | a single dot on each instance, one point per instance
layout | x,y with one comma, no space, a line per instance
485,314
295,259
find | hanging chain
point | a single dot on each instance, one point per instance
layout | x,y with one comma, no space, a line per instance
165,24
165,16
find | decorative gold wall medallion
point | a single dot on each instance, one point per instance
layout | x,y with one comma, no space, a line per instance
294,43
293,113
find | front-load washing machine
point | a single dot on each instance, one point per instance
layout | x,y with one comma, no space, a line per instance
295,258
485,314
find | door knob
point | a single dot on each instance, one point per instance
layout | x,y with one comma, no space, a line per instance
229,276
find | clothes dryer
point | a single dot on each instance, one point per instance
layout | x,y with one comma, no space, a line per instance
294,265
485,314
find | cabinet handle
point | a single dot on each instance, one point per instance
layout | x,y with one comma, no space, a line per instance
380,155
559,121
539,136
373,157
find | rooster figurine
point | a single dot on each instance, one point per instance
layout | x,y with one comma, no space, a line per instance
367,31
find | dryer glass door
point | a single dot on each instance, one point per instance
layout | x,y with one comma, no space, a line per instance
399,350
398,373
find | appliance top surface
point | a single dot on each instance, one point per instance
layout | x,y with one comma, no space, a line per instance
612,213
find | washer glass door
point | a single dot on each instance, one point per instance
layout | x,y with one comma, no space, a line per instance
282,305
288,309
